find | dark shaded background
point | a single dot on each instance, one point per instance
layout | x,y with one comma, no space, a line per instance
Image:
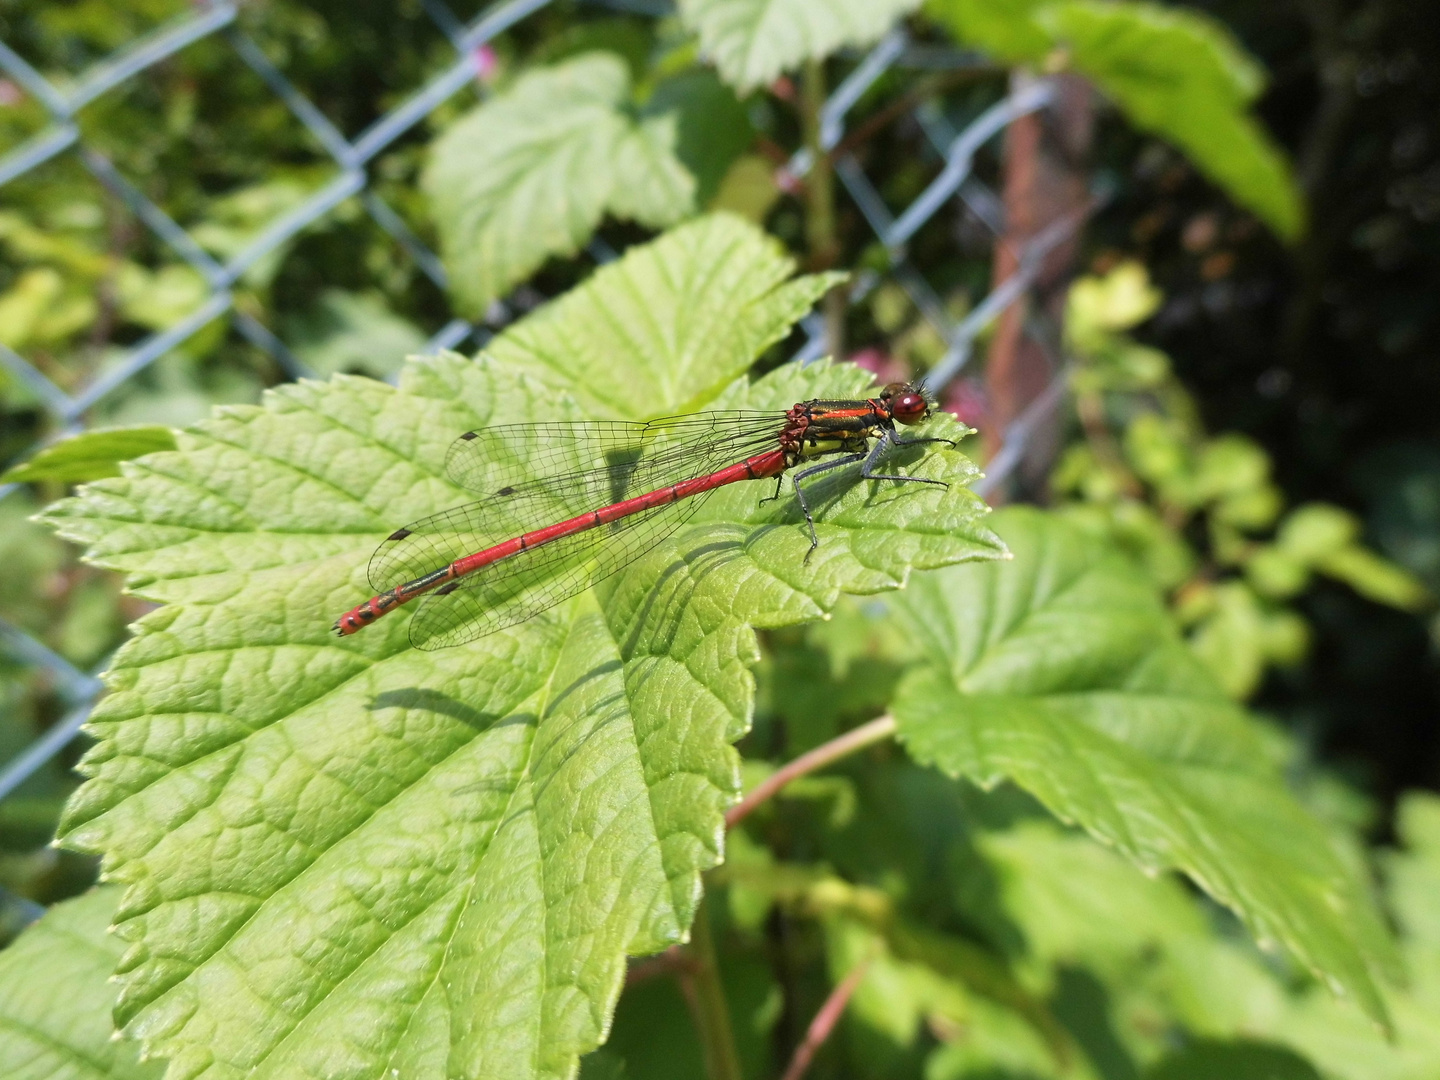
1327,352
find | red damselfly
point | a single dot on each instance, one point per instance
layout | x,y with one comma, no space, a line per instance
567,504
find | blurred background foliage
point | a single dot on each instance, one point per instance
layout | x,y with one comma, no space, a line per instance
1254,420
1325,353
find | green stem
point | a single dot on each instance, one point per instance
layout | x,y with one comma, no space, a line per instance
820,232
706,996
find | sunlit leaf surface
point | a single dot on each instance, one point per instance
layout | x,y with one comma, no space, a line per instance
352,858
1059,671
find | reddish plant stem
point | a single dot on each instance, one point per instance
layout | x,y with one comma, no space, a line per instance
876,730
824,1022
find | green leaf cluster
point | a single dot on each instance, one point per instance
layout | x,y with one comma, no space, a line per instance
993,931
81,278
1113,725
1148,486
1069,925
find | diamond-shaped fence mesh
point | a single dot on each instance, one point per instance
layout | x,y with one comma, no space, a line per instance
350,157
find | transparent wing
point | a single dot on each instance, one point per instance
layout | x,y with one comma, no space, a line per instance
537,459
516,589
535,475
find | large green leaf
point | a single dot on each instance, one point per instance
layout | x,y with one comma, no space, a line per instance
348,857
56,996
531,174
752,41
1172,72
1061,672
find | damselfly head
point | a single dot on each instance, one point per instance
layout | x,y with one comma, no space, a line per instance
906,402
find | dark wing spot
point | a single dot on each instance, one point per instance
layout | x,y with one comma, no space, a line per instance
469,435
398,534
506,491
446,590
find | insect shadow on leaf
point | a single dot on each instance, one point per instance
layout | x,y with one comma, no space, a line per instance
417,698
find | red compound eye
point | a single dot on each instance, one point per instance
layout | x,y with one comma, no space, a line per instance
908,407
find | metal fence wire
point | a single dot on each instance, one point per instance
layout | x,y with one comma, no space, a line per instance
351,156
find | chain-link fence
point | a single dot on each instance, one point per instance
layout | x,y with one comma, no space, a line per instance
351,156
